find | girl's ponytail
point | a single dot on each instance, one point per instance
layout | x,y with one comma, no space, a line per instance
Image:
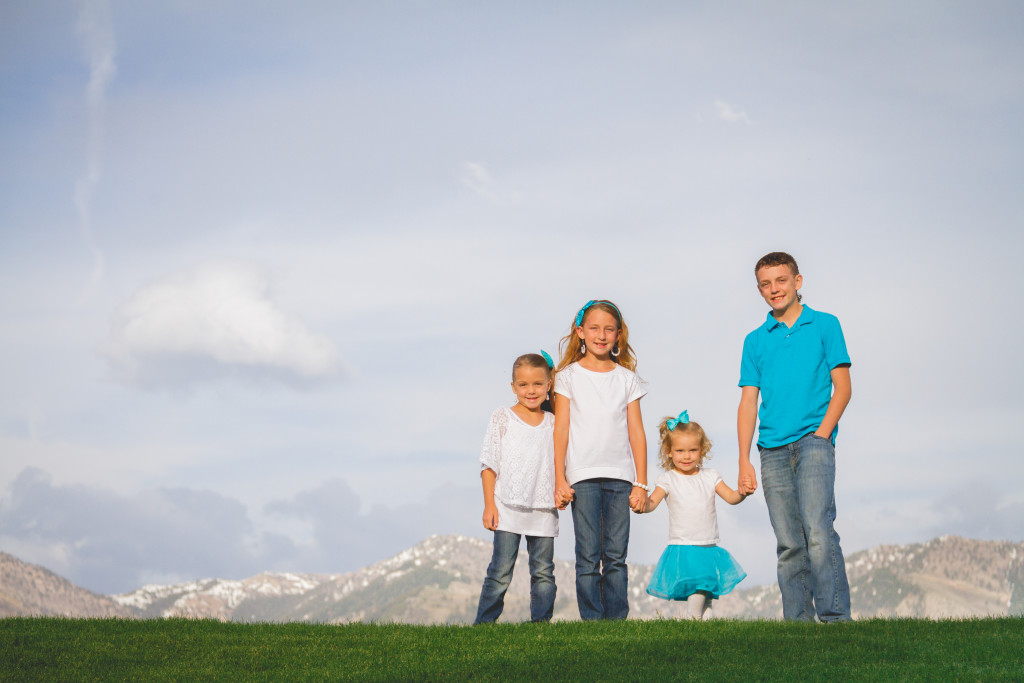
663,432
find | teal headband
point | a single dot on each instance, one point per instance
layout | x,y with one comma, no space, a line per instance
579,316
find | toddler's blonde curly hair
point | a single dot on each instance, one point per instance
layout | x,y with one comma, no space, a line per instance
665,454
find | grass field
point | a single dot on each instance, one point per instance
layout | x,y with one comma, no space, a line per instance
34,649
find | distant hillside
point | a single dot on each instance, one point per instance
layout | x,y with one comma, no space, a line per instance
948,577
30,590
438,581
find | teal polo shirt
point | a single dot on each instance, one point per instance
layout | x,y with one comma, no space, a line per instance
792,367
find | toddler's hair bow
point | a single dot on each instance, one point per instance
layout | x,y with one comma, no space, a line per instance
684,418
551,363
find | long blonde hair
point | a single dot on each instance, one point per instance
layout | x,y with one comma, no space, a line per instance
570,348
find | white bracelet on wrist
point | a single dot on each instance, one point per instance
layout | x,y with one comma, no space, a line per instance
645,487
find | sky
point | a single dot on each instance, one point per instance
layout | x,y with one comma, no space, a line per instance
265,267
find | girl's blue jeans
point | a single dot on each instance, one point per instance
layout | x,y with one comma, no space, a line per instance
799,488
600,515
499,576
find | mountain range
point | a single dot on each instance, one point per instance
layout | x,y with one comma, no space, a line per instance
438,582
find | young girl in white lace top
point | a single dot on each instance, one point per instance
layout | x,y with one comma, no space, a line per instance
517,469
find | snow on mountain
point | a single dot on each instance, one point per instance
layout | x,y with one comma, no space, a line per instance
438,581
217,598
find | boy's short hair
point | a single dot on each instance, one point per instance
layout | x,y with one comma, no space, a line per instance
777,258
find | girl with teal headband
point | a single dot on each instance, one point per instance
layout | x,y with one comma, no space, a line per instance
600,453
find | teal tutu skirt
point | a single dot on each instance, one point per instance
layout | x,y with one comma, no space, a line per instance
685,569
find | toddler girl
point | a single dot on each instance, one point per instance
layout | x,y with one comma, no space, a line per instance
600,453
693,567
518,474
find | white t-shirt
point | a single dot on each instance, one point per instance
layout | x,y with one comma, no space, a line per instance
691,506
598,431
523,458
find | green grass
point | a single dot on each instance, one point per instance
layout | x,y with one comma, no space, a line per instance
174,649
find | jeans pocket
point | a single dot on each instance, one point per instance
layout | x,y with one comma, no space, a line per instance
818,443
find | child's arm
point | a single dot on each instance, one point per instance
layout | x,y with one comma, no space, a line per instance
488,477
563,492
728,495
746,420
653,500
841,393
638,444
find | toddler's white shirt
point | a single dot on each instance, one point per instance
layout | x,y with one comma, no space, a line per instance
691,506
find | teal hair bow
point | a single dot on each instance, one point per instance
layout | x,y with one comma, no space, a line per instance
551,363
684,418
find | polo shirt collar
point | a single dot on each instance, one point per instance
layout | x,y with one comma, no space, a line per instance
807,316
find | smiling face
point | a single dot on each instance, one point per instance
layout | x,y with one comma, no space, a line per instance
530,385
599,332
685,452
778,285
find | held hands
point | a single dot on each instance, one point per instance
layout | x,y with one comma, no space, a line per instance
748,479
563,494
638,500
748,485
491,517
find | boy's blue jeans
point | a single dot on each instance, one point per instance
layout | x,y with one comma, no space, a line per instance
600,515
799,488
499,576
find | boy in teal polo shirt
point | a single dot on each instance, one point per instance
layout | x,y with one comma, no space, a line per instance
797,362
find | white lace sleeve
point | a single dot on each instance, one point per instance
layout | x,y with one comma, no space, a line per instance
490,452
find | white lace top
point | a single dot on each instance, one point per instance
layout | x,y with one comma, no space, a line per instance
523,458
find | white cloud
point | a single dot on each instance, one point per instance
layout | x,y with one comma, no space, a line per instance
110,542
478,179
214,321
96,29
726,112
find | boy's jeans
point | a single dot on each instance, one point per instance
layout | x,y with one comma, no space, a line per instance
499,576
600,515
799,488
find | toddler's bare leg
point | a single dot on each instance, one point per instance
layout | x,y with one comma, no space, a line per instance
696,604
